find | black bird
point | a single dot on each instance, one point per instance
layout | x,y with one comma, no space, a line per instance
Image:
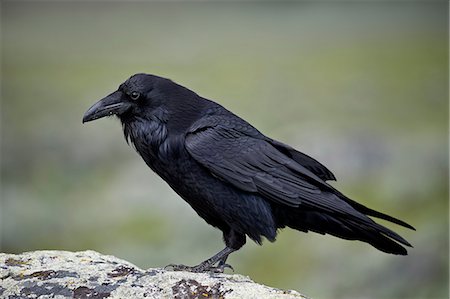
234,177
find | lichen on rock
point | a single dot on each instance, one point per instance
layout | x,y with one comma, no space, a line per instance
88,274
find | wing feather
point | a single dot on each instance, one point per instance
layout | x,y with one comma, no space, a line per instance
238,154
252,164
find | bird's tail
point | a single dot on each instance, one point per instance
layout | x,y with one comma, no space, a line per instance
350,228
367,211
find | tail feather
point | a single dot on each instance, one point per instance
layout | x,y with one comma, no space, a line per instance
348,228
367,211
381,238
371,225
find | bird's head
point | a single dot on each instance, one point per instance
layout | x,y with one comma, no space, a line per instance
138,95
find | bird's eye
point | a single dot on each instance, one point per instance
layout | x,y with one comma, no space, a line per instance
135,95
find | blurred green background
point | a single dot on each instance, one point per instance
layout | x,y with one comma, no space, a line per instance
363,87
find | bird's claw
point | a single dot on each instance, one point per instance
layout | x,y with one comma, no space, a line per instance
195,269
175,267
201,268
222,266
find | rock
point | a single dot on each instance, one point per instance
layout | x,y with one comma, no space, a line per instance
88,274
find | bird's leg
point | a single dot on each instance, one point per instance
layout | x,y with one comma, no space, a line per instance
209,264
233,241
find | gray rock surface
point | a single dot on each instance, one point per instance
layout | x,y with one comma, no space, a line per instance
88,274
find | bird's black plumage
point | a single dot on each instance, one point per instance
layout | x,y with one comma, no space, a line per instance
233,176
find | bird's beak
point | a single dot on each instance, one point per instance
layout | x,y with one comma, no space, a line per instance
112,104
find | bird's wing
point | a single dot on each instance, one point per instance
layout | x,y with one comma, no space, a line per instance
306,161
237,153
232,151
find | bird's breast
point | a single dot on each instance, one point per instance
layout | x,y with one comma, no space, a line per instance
147,137
163,154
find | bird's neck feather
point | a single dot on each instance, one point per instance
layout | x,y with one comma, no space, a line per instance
146,132
183,113
158,133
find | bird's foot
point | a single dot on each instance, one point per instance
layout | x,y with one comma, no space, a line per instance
201,268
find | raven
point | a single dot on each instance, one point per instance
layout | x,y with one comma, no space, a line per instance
237,179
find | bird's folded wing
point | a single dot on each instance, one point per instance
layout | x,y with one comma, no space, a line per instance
236,154
252,164
306,161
